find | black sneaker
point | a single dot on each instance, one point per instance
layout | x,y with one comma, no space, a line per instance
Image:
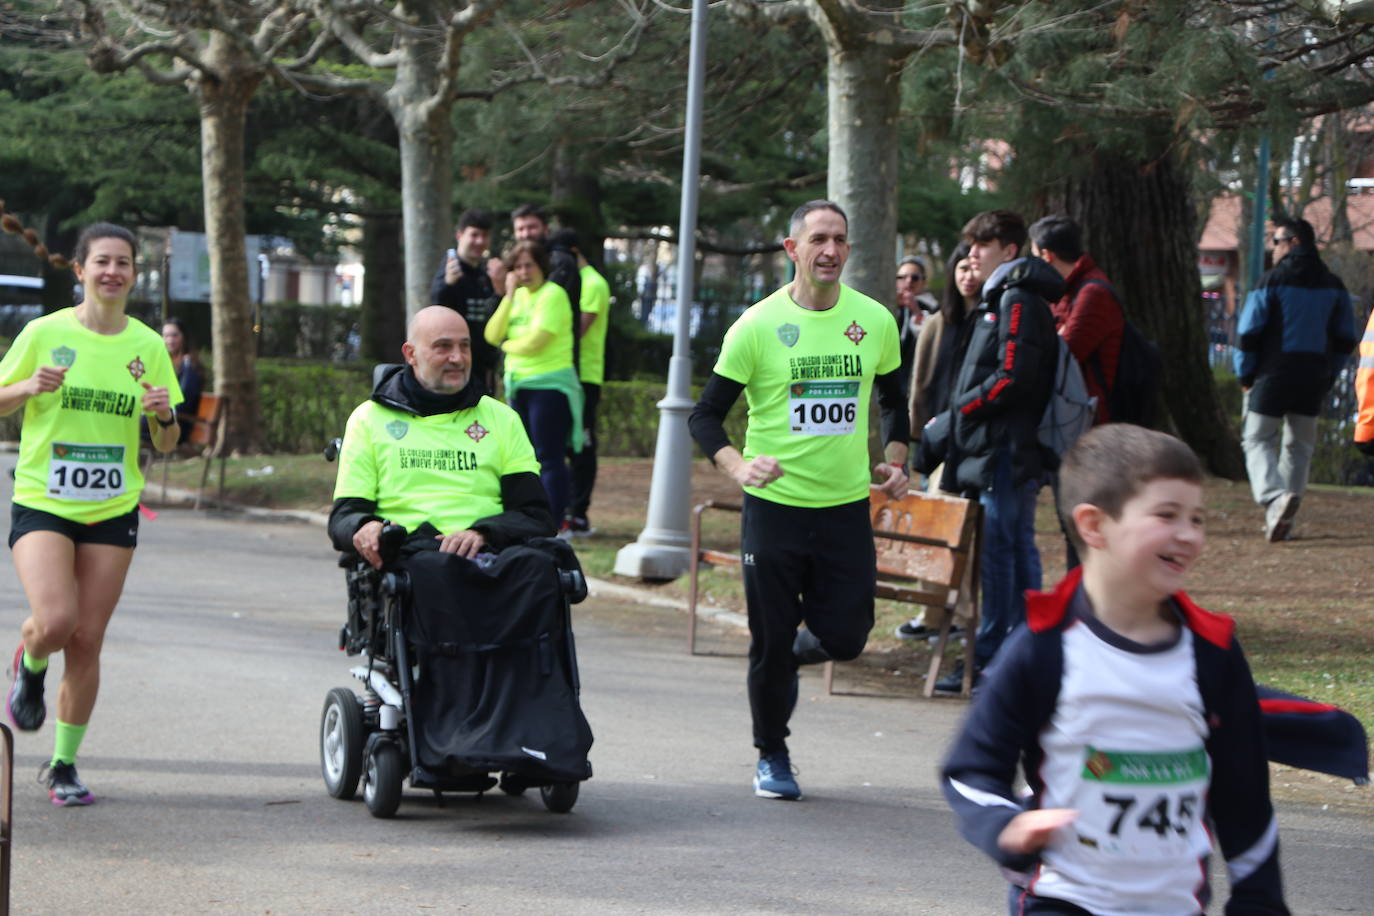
913,630
954,681
25,702
65,788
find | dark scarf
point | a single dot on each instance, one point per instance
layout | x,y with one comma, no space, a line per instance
428,403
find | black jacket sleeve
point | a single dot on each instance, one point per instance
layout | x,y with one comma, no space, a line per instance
707,421
526,513
933,448
345,518
1023,351
979,774
893,407
1238,797
440,293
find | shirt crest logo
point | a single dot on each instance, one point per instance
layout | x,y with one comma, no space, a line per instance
789,334
137,369
398,429
855,333
477,432
63,357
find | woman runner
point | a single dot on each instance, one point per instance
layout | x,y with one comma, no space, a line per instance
83,375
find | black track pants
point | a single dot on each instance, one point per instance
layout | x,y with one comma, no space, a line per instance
801,566
584,462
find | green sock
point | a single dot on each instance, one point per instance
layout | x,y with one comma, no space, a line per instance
67,741
35,665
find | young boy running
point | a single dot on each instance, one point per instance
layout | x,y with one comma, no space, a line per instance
1130,709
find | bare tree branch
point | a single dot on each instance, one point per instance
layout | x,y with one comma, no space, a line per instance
703,244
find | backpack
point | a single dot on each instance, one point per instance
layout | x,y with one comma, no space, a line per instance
1135,391
1070,411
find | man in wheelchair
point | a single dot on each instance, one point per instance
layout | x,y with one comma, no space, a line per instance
471,669
430,452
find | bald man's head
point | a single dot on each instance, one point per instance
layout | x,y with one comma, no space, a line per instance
439,348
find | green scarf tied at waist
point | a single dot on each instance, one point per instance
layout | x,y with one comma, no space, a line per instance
564,380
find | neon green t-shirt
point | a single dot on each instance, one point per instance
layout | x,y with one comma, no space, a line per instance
596,300
444,469
78,450
546,310
808,377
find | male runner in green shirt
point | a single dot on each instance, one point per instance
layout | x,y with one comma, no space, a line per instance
807,358
430,452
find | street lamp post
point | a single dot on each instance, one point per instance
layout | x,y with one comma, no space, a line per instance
662,549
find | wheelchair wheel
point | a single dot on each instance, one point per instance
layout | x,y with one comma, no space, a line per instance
559,797
342,734
382,788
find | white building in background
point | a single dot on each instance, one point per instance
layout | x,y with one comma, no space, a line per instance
276,272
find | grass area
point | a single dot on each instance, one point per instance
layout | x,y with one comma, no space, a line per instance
1302,607
271,481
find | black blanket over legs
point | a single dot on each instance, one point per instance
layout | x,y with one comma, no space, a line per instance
497,679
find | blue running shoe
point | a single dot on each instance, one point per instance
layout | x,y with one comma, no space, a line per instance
773,778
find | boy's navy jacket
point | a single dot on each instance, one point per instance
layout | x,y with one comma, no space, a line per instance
1316,736
1019,697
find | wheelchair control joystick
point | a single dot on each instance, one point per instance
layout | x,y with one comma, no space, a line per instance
389,543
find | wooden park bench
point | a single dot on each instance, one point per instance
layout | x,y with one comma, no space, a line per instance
205,440
927,555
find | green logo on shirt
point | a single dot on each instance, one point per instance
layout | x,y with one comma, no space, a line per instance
63,357
789,334
398,429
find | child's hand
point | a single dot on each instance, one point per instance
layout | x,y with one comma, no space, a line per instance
1030,831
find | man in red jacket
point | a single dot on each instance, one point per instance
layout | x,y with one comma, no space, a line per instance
1088,317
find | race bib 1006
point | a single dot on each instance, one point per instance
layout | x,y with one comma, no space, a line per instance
823,408
90,473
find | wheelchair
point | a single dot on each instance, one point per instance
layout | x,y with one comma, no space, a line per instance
469,677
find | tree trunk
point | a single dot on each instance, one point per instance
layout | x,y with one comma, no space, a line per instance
1138,219
383,316
223,107
426,141
576,199
864,101
58,284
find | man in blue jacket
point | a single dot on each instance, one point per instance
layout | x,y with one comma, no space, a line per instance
1295,333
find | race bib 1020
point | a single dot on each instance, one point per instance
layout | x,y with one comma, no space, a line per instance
90,473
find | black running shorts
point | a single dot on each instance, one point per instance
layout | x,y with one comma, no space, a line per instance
120,531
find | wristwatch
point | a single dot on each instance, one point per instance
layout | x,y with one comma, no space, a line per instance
165,423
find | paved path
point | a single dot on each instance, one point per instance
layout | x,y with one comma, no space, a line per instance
204,756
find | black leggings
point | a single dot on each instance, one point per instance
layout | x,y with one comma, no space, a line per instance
548,420
801,566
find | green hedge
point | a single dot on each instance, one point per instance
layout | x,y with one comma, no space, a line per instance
627,419
301,406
